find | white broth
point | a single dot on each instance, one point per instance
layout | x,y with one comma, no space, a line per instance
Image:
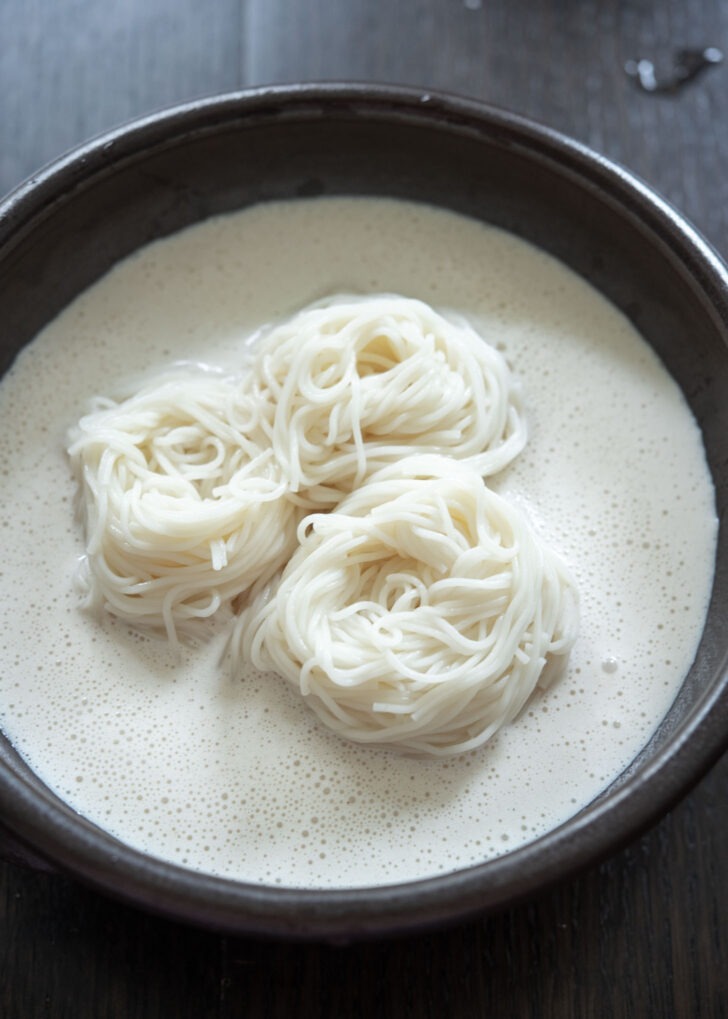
238,778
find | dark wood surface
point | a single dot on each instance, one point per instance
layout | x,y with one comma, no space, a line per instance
645,933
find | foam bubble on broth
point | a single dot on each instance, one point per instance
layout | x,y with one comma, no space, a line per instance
239,778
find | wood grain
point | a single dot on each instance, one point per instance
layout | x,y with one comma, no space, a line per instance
641,935
644,934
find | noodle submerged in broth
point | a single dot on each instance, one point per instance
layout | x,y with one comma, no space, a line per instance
421,614
184,505
357,383
421,611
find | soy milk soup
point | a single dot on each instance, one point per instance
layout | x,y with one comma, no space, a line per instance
238,778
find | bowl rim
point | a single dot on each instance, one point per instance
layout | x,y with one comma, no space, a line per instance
41,821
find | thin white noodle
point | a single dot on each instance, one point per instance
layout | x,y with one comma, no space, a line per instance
185,507
356,383
422,613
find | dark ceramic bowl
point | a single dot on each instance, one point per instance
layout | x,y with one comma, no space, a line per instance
64,228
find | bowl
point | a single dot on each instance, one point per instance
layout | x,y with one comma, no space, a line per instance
62,229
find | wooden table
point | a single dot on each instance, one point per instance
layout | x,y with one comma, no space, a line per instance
644,934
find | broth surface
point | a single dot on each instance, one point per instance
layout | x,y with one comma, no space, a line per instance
239,778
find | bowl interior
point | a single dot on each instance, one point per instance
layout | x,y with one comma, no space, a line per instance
65,228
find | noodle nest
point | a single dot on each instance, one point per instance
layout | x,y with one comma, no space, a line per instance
185,506
356,383
421,614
